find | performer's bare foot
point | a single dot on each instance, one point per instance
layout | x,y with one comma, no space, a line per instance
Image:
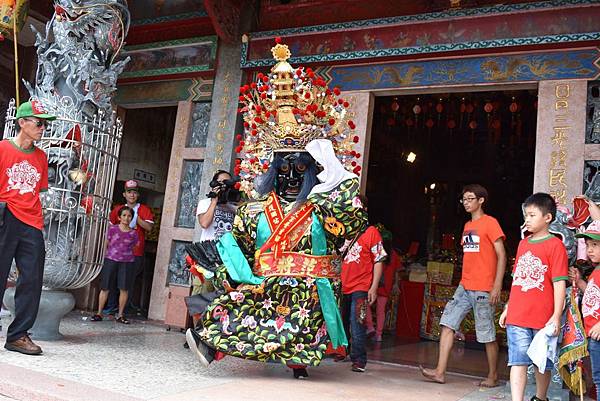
488,383
432,375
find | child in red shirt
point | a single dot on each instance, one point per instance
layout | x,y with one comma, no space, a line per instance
361,272
537,294
590,305
387,287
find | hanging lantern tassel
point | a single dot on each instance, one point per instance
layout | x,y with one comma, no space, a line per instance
429,124
514,107
417,111
496,130
473,126
451,125
439,108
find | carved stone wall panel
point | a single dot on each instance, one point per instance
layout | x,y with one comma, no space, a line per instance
199,133
177,271
592,123
189,191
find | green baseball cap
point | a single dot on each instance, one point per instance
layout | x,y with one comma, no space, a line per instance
35,109
592,231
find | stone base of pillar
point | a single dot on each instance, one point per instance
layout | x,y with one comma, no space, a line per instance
54,305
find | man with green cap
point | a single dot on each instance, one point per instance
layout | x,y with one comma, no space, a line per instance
23,175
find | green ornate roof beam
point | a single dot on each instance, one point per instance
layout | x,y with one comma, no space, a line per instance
542,25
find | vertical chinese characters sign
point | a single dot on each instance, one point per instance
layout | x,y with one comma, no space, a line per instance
560,139
561,132
218,160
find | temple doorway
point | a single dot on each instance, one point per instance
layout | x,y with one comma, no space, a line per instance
424,148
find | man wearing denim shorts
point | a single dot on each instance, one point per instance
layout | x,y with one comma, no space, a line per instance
484,263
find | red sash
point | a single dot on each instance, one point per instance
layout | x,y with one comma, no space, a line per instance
282,226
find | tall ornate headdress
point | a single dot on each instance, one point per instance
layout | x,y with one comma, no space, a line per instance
285,110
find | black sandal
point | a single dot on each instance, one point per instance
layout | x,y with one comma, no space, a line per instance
96,318
122,319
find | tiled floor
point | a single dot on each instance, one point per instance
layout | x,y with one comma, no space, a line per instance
466,359
108,361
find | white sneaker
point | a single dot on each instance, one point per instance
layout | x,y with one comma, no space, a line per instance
197,346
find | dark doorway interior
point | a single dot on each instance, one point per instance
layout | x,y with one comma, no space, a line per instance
146,147
457,139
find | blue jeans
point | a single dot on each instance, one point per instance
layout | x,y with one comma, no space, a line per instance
355,323
519,339
594,350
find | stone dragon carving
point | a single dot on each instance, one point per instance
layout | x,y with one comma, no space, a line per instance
77,71
76,77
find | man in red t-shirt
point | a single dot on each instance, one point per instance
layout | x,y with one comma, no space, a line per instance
23,175
484,263
142,222
361,272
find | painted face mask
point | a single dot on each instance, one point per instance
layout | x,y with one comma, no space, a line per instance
290,176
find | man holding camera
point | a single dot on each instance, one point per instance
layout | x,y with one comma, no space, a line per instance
216,212
215,215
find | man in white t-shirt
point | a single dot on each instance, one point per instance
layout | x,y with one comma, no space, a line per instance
215,214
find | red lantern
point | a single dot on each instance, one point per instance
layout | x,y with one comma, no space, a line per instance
395,106
473,124
451,124
513,107
417,109
496,124
463,107
488,107
391,121
429,123
469,108
409,122
439,108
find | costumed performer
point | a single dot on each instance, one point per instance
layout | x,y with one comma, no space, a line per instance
276,275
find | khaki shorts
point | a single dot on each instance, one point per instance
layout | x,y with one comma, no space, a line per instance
462,302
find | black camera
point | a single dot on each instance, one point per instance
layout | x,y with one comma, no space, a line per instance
225,190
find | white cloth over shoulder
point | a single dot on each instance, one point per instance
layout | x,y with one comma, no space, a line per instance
333,173
543,347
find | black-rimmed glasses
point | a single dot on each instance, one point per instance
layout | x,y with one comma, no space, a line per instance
466,200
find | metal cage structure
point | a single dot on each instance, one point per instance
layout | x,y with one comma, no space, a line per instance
82,164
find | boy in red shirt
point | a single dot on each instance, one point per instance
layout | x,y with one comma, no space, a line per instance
23,175
537,295
361,272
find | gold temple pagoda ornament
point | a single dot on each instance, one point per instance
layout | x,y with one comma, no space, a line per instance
286,109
